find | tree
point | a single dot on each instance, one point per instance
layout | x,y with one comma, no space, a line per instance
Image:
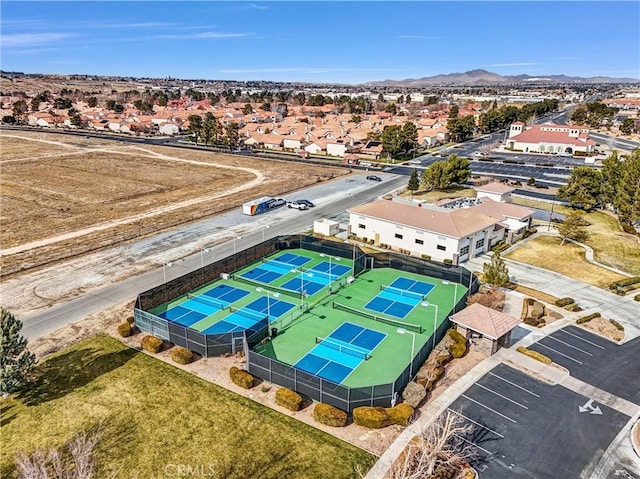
453,111
19,110
265,106
9,119
92,101
410,133
459,169
414,181
232,137
391,108
461,129
574,227
356,118
195,126
627,126
441,450
16,362
611,174
495,272
210,130
627,201
62,103
583,188
392,140
437,176
247,109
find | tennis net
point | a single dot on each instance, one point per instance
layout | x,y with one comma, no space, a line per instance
209,302
248,313
403,292
300,269
279,264
392,322
267,286
343,348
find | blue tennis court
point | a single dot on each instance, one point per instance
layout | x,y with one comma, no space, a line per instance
274,308
336,356
264,273
292,259
305,285
185,317
226,294
330,268
399,298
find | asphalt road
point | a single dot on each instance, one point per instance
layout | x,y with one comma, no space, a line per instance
526,428
284,221
595,360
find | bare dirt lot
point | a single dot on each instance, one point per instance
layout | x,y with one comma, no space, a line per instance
63,196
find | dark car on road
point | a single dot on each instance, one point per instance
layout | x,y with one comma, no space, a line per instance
374,178
306,202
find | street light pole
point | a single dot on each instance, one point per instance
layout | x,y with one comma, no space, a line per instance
413,347
164,277
269,293
202,251
435,320
263,228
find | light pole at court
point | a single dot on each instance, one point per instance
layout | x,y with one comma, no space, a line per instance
269,294
202,252
435,320
455,294
324,255
413,347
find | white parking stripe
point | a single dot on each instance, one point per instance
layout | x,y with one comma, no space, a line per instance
571,346
503,397
581,338
476,423
514,384
487,407
558,352
473,443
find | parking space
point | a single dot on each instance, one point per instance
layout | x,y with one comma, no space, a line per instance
602,363
526,428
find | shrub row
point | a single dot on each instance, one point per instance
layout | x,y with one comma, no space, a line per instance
288,399
329,415
241,378
562,302
379,417
124,330
152,344
534,354
459,347
625,282
181,355
618,326
426,256
587,318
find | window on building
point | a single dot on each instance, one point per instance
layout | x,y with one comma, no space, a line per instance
480,243
419,241
362,227
398,235
464,250
441,247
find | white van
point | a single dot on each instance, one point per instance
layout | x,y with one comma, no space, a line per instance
366,164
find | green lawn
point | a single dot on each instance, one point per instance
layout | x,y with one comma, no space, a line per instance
611,245
156,415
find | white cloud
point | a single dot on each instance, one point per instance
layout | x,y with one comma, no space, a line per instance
255,6
33,39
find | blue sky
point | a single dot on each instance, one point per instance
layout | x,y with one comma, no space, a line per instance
348,42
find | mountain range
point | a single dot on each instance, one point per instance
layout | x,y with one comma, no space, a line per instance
484,77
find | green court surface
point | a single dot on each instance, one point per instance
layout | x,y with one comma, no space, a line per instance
267,289
392,355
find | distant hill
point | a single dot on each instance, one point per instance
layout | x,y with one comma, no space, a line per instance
484,77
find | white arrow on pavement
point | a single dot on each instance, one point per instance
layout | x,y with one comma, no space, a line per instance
589,406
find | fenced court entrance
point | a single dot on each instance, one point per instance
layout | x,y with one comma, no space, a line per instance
336,356
400,297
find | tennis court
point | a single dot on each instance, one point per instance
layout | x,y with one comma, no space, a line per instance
336,356
399,298
310,281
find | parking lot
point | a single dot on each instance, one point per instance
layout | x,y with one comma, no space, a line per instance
527,428
597,361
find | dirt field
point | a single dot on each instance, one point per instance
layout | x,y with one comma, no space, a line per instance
63,196
603,327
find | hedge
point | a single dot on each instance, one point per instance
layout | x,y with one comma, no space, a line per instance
400,414
587,318
636,297
131,320
456,336
534,322
181,355
152,344
447,261
241,378
458,350
573,308
444,359
618,326
329,415
625,282
534,354
562,302
288,399
124,330
426,256
371,417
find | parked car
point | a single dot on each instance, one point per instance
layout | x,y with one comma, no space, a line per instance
306,202
274,203
374,178
297,205
415,161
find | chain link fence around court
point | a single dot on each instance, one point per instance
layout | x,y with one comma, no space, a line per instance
276,371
